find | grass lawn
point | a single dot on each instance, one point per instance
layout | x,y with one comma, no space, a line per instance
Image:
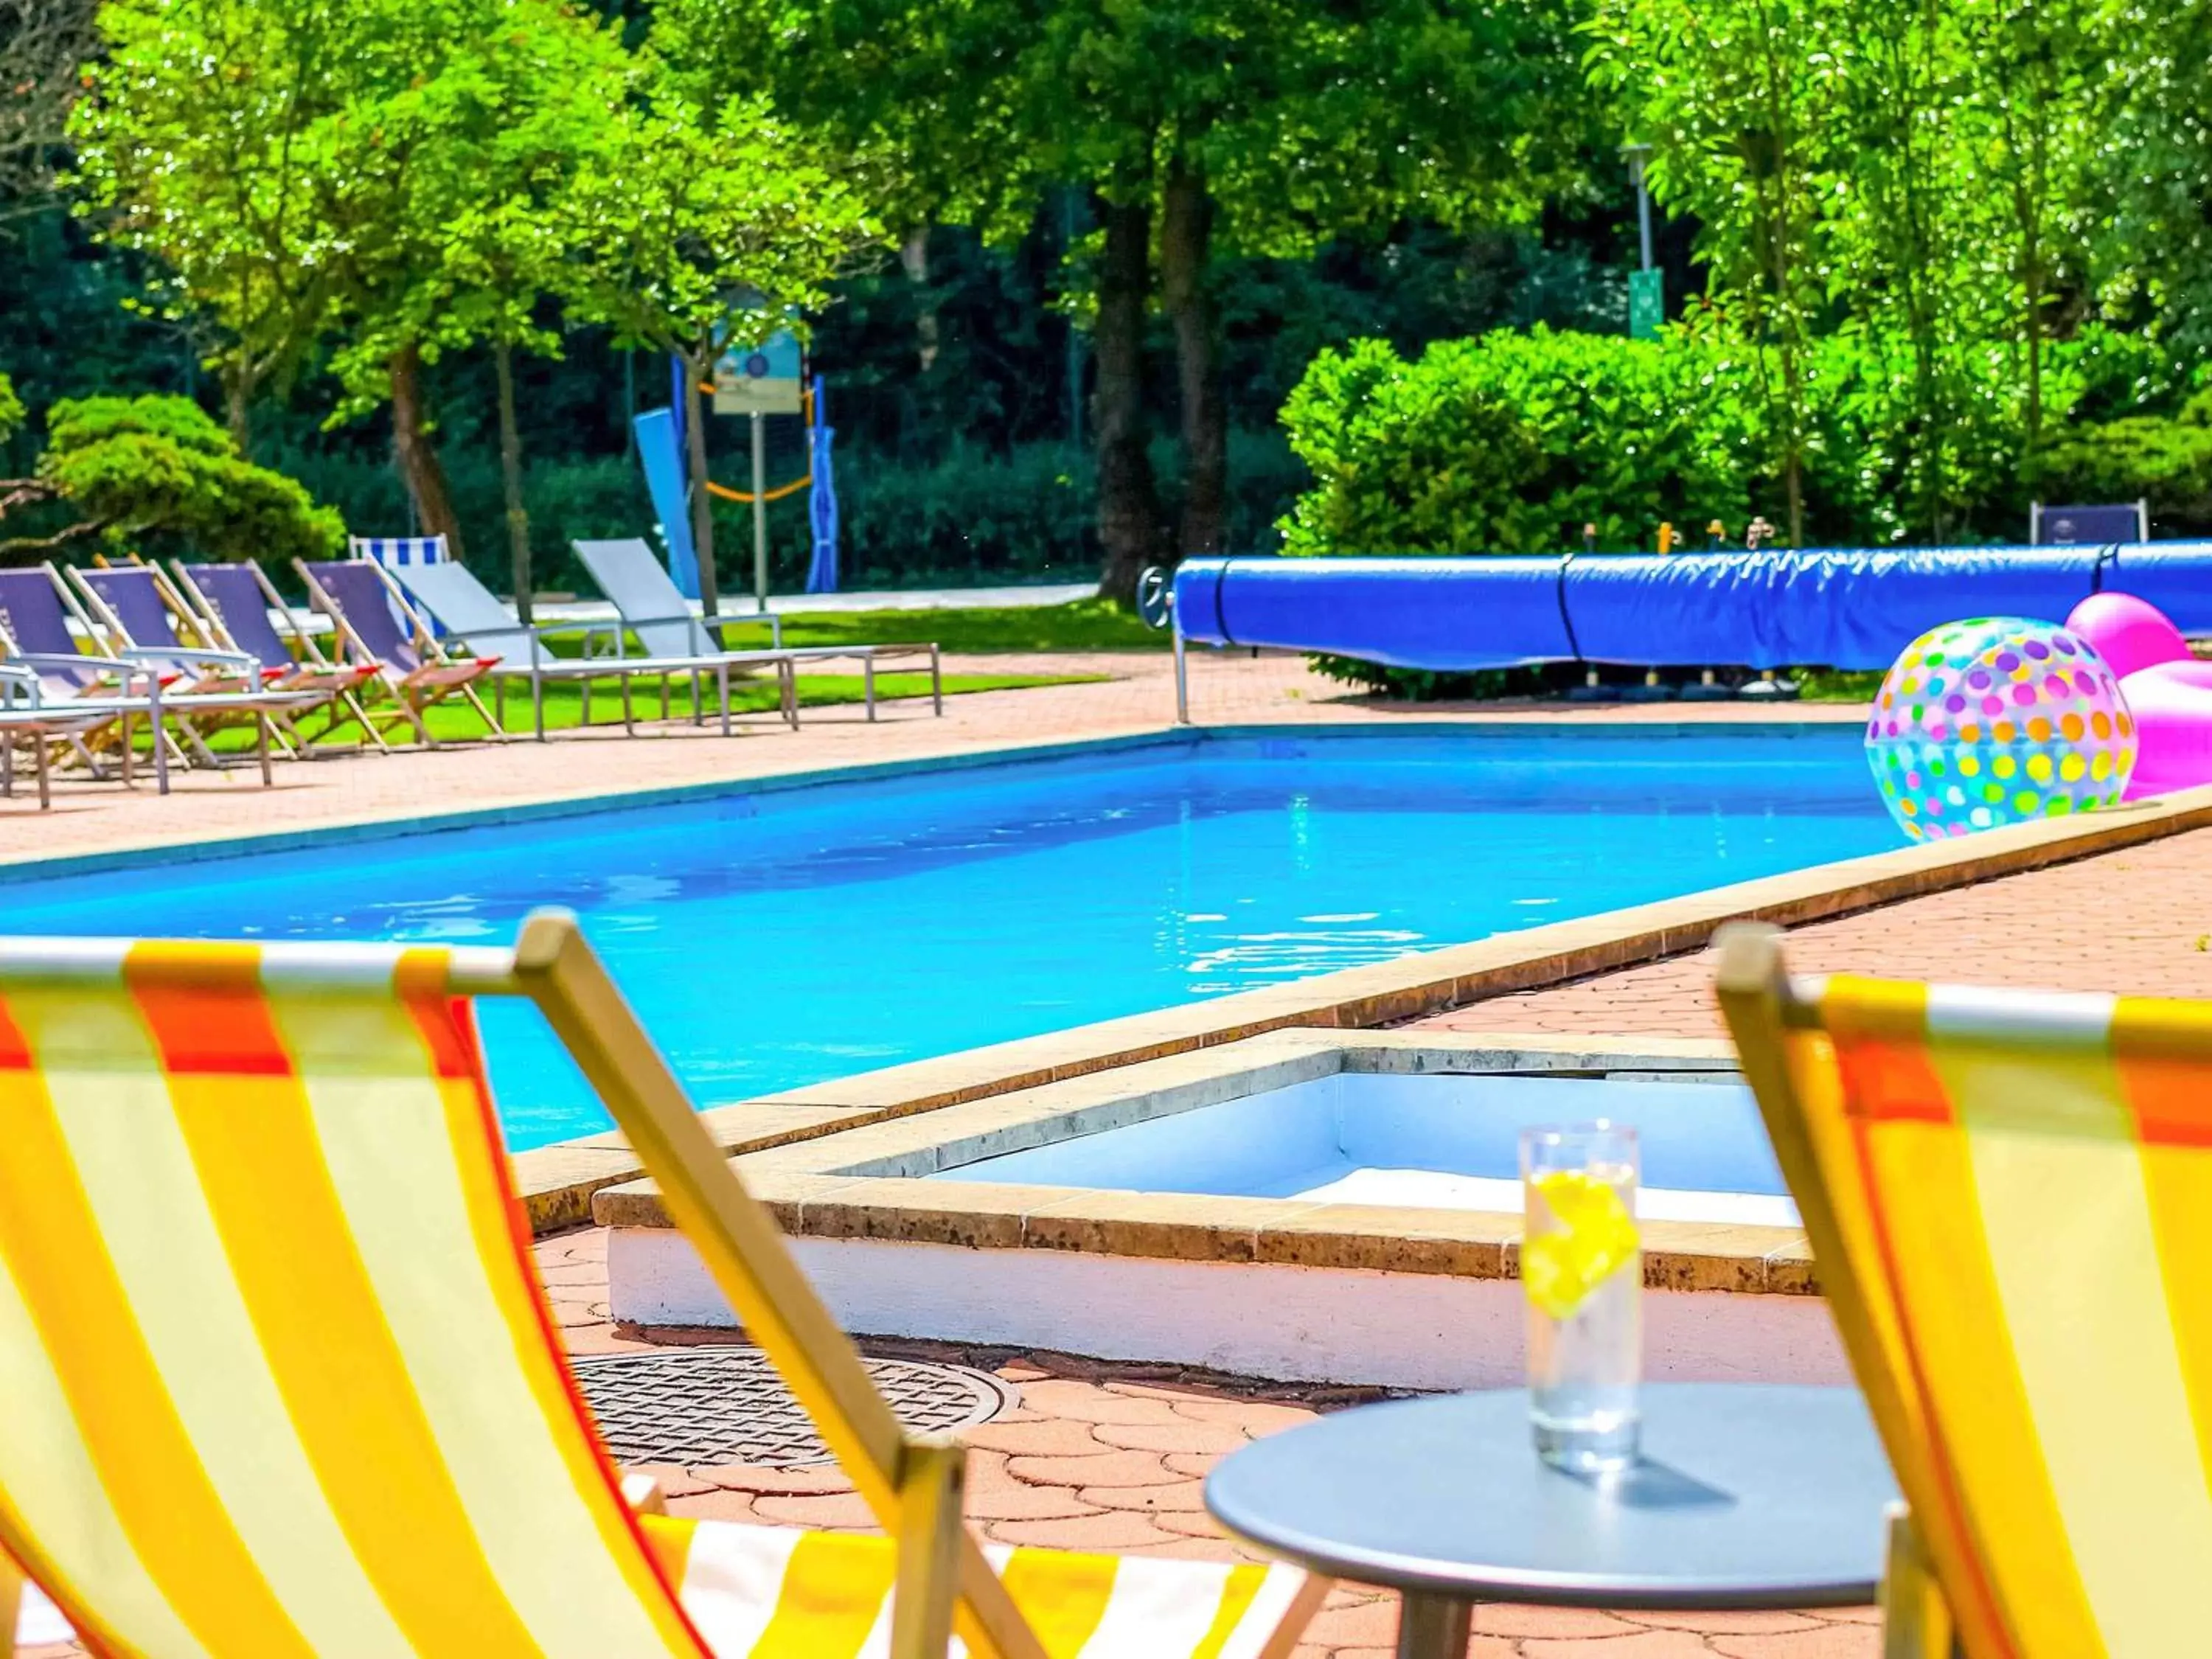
454,721
1838,685
1083,625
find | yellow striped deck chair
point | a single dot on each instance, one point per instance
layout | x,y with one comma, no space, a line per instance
2009,1199
278,1379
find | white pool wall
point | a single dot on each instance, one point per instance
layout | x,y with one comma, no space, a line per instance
1425,1139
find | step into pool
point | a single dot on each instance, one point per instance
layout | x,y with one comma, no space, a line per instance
1428,1141
773,936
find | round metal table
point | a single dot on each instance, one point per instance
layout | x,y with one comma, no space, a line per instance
1746,1496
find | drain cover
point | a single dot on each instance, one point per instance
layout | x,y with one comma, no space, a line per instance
728,1405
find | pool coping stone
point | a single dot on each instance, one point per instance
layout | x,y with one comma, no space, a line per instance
876,1181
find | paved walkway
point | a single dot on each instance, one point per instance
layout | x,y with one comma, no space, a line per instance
2138,920
1112,1457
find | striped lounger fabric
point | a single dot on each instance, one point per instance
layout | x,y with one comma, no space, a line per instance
276,1377
2009,1193
397,552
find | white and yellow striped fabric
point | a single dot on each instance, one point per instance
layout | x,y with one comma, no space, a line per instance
780,1594
2023,1187
277,1380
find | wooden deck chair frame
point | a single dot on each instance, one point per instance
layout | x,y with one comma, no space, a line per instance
218,675
392,678
311,666
912,1483
1761,1005
88,747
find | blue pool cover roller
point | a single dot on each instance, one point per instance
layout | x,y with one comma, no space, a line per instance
1832,607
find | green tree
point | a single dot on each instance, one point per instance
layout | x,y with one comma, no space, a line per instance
1735,97
131,469
2036,66
213,171
697,228
43,44
480,233
2154,118
1246,126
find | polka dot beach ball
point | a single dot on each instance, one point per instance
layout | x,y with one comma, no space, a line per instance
1994,720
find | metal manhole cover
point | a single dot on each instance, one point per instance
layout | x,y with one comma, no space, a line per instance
726,1404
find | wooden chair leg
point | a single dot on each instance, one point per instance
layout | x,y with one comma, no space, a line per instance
11,1604
933,1484
1915,1620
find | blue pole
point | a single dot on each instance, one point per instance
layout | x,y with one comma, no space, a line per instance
822,499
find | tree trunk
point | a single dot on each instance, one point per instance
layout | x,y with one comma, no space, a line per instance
237,404
412,449
913,256
1128,500
1186,242
510,477
697,365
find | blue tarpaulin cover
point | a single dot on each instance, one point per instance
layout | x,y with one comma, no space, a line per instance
1832,607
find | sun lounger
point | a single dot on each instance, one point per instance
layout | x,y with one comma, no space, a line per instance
651,607
35,634
2008,1194
278,1376
29,721
375,626
449,593
235,603
34,622
138,612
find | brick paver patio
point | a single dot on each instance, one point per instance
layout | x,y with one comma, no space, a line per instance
2138,920
1111,1457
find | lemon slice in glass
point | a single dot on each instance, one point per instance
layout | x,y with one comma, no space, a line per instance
1595,1238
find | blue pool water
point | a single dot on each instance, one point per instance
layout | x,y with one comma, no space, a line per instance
776,938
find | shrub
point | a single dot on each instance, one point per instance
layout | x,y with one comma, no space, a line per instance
1511,443
157,469
2166,459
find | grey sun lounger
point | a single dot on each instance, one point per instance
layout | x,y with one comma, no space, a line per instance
29,712
646,599
452,596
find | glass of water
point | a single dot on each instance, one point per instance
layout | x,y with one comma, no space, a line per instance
1581,1269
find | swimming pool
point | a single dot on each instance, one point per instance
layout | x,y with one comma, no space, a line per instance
772,937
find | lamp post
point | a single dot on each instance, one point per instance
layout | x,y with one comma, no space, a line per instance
1647,297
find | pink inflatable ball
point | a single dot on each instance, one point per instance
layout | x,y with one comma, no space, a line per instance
2128,632
1995,720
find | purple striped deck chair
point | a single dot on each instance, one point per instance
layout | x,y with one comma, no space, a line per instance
376,624
234,602
34,630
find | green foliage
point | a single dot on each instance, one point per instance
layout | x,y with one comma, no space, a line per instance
2167,460
1511,443
158,469
11,410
